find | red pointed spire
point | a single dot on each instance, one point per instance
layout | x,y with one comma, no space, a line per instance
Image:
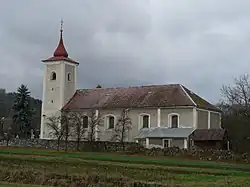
60,50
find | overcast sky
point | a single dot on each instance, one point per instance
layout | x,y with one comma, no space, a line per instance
201,44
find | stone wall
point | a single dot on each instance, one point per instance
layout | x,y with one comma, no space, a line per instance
99,146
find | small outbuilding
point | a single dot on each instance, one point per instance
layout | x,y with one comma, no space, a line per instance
164,137
210,138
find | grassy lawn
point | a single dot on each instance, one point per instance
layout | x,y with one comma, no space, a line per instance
126,158
39,166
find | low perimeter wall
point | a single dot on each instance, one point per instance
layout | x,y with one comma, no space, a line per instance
72,145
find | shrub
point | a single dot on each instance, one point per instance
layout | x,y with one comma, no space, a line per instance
135,149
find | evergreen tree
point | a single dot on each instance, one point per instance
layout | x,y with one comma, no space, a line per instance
22,113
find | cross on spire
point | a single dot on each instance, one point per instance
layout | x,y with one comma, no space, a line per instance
61,30
60,50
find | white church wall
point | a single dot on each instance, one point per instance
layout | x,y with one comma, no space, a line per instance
70,84
56,92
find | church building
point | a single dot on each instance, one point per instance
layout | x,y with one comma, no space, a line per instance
162,115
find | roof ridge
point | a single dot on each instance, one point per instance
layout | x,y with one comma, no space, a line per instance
142,86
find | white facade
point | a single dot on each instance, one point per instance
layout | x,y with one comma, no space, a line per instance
57,90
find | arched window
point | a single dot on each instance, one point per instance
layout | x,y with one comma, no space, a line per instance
144,121
69,76
85,122
110,121
174,120
53,76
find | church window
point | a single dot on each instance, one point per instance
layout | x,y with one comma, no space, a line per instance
174,120
110,120
144,121
53,76
85,122
69,76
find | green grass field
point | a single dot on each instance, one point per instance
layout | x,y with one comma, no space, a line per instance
5,184
52,168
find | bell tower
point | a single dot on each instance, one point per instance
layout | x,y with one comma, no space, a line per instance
59,84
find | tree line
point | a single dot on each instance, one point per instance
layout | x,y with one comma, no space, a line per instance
235,104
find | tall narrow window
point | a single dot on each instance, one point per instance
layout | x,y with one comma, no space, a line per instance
144,121
85,122
69,76
174,121
111,122
53,76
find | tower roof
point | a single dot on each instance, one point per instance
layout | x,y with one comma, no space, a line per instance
60,52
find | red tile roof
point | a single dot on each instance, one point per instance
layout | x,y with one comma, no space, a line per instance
134,97
60,50
60,58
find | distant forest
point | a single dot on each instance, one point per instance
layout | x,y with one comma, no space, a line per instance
6,103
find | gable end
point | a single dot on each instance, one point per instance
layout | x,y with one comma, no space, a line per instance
188,95
200,102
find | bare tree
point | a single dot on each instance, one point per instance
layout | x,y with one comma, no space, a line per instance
8,136
94,123
122,127
236,112
66,122
57,128
238,95
80,122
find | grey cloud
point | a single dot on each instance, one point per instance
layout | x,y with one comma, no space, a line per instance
201,44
